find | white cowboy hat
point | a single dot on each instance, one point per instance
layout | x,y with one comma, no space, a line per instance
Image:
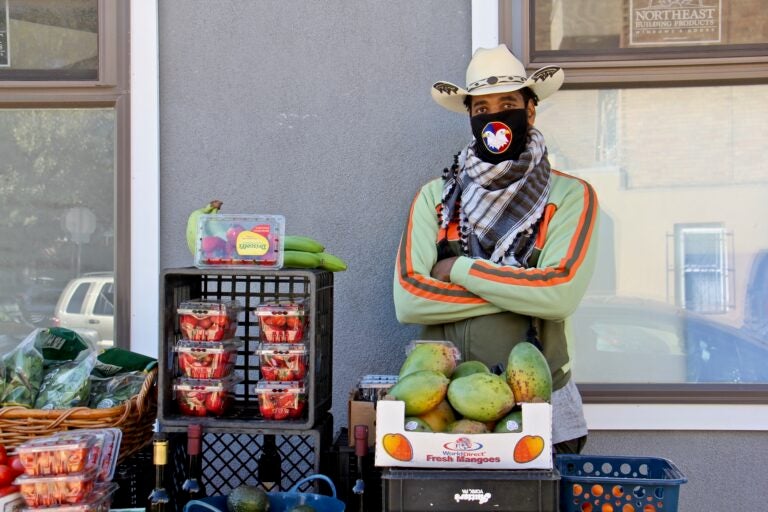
494,70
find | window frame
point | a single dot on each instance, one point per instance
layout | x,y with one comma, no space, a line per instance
110,90
603,400
744,67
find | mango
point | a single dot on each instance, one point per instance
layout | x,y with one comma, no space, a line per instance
512,422
397,446
481,396
528,374
429,356
468,368
421,391
466,426
416,424
439,417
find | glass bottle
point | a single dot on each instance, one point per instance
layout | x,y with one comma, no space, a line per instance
269,464
158,500
193,488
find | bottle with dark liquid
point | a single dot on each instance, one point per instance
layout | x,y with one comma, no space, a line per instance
158,500
269,463
193,488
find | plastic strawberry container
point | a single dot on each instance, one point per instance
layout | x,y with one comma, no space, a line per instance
202,320
205,397
106,450
281,322
283,362
206,359
281,400
239,240
59,455
49,491
99,500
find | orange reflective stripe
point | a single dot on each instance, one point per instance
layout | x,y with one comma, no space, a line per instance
541,237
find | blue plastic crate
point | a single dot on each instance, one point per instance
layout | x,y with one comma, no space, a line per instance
602,483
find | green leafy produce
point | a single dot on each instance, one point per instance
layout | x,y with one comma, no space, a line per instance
112,391
58,344
24,374
117,360
67,384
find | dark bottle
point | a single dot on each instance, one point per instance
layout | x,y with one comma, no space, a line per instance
158,498
269,465
193,488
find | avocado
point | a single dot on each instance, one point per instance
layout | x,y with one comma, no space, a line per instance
247,498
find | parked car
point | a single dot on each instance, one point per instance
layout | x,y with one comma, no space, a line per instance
639,341
87,304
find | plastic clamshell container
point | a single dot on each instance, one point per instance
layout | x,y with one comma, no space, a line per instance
206,359
206,320
237,240
281,400
100,500
59,455
49,491
281,322
106,450
603,482
283,362
205,397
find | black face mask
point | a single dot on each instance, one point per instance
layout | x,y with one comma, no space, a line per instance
500,136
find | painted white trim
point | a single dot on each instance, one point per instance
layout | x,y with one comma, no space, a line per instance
676,417
145,178
485,24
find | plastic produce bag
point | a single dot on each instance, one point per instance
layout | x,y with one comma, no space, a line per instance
112,391
24,373
67,384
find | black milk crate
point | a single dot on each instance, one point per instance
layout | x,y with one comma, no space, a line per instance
229,458
343,469
250,287
451,490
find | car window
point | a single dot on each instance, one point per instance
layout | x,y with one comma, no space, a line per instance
105,300
75,304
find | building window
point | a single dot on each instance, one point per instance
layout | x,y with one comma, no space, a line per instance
64,141
702,268
670,132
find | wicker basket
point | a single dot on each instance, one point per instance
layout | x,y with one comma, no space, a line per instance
135,417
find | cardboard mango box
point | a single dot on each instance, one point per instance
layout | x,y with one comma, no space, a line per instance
361,412
529,449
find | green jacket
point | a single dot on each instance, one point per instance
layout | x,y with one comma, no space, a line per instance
487,308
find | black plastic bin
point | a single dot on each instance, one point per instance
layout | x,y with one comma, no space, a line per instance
411,490
250,287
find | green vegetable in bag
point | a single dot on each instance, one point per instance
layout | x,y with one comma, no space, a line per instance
113,391
58,344
67,384
24,373
117,360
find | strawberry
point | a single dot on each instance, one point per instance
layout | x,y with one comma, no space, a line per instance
216,402
282,413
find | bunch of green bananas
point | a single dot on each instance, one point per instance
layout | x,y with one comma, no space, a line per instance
212,207
306,252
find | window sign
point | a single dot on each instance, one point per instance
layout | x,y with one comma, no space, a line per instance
5,55
674,22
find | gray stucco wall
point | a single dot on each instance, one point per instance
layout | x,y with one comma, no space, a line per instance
321,111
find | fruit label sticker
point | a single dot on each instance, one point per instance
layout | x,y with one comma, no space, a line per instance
250,243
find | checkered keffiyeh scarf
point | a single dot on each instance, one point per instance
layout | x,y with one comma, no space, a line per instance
498,206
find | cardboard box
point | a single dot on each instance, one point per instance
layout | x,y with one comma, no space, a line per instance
529,449
361,412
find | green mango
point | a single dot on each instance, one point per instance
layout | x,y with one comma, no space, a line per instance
421,391
481,396
416,424
512,422
429,356
467,426
528,374
468,368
